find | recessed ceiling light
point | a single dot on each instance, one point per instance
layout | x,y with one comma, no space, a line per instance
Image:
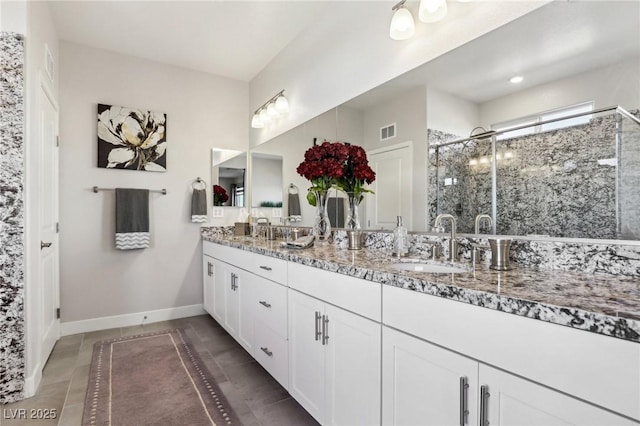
517,79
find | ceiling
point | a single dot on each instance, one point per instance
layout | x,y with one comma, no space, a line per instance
234,39
237,39
555,41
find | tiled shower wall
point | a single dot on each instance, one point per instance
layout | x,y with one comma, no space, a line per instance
12,215
560,183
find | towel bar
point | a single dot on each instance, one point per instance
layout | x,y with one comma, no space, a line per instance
95,189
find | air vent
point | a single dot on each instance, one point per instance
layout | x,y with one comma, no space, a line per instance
388,132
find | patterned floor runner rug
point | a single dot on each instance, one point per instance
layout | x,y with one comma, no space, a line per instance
152,379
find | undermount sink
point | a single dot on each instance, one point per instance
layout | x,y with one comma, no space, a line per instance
428,267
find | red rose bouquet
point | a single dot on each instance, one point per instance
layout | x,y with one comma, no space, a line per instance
323,165
356,173
219,195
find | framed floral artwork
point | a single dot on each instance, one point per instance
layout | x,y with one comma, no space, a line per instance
131,139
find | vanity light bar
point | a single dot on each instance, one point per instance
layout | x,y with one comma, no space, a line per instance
274,107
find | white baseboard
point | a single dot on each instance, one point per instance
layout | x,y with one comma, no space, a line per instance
32,382
126,320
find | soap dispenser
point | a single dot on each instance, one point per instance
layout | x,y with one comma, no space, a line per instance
400,239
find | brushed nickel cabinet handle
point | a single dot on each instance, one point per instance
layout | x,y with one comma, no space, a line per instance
464,411
325,322
318,332
44,245
265,304
266,351
210,269
484,400
266,268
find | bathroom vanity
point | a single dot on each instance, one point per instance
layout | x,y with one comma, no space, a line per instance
356,340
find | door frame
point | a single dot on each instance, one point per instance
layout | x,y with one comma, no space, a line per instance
401,145
32,291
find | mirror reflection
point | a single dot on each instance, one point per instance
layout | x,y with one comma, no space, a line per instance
569,55
228,176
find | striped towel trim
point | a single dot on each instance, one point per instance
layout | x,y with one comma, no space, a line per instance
198,218
132,240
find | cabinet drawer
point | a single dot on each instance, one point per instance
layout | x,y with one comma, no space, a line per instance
353,294
269,267
272,352
233,256
270,305
600,369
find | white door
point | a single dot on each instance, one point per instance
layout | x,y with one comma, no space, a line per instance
221,275
207,283
423,384
392,187
49,252
244,306
515,401
306,354
352,372
231,305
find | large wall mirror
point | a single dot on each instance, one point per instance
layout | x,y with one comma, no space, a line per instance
228,170
569,54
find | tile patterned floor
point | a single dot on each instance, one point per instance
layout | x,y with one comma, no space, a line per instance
255,396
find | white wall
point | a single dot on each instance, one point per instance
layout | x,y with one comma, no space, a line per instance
451,114
203,111
342,56
613,85
13,16
409,112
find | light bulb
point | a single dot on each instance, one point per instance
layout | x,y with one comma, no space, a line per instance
432,10
402,25
264,116
271,110
256,122
282,105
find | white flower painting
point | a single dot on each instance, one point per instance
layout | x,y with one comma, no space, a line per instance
131,139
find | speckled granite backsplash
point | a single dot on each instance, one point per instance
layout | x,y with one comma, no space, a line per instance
12,213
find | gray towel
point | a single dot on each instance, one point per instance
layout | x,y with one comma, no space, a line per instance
199,206
132,218
335,209
294,205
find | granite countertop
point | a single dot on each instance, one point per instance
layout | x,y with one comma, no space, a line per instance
600,303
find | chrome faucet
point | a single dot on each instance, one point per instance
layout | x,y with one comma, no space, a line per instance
452,242
479,219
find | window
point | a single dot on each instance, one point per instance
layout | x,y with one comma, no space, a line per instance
531,121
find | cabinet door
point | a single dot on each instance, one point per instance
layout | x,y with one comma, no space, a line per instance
422,383
207,283
231,298
352,372
221,275
306,354
515,401
244,307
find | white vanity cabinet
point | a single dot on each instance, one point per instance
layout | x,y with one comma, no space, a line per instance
239,292
207,281
334,354
547,374
232,291
424,384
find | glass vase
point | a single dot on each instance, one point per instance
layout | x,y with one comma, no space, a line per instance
352,222
322,226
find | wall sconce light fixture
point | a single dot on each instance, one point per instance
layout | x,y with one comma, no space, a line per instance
432,10
275,107
402,24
